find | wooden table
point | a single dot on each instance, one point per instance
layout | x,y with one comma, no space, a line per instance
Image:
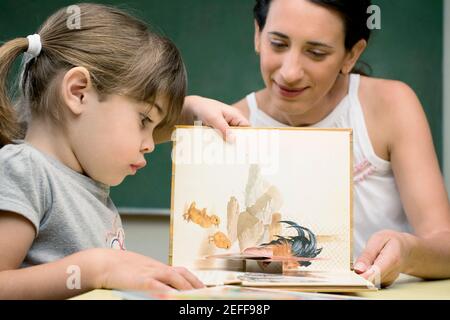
405,288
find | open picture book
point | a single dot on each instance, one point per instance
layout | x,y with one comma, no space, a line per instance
271,209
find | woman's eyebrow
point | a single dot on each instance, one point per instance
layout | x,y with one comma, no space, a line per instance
279,34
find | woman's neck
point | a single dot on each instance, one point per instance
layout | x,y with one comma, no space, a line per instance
52,140
318,112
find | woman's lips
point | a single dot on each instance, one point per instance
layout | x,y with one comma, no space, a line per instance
288,92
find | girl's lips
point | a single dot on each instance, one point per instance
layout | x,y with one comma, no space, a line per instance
136,167
290,92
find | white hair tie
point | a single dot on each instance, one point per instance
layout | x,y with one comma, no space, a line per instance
34,45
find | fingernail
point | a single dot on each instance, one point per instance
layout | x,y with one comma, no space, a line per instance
361,267
231,138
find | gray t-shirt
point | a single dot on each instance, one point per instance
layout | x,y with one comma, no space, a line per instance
71,212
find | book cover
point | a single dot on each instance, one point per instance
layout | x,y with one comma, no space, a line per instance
271,209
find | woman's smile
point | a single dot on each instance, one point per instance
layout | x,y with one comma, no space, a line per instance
289,92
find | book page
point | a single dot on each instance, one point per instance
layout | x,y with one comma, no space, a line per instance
299,279
283,191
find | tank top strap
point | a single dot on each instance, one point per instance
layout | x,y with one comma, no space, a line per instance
252,104
354,85
358,124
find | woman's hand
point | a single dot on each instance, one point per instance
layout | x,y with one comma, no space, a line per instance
213,113
132,271
384,257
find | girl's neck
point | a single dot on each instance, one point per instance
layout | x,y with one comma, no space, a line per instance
319,111
52,140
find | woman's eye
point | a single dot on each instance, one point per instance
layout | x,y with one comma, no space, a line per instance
317,54
278,44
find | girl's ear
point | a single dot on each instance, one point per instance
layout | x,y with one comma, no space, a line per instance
76,85
353,55
257,38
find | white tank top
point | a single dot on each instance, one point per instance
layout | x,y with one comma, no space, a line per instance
377,204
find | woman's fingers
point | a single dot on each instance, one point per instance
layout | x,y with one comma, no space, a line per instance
222,125
370,253
388,261
229,117
381,260
234,117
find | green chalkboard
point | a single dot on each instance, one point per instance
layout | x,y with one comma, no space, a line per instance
216,41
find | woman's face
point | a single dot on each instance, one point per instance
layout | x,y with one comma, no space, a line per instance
302,52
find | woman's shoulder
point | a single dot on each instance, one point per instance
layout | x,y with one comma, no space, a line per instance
388,101
386,94
391,109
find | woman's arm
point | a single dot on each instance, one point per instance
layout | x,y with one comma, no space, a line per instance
210,112
416,169
80,272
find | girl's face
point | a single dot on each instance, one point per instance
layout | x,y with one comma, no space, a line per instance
302,52
110,137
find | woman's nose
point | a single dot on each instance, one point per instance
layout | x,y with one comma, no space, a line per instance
292,69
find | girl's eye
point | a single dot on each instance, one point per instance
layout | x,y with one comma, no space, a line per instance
145,119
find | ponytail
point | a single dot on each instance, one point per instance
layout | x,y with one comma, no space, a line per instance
9,127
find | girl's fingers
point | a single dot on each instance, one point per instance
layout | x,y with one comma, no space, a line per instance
157,286
172,278
193,280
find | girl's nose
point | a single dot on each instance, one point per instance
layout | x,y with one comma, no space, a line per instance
148,145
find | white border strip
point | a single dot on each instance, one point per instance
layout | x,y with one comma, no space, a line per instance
154,212
446,87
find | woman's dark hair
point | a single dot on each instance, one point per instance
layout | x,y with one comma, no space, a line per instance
353,12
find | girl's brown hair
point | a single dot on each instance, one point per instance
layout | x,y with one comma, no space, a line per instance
122,55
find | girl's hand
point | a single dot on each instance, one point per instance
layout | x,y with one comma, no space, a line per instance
132,271
213,113
384,257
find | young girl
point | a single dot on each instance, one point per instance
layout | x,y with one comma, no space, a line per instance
308,50
92,98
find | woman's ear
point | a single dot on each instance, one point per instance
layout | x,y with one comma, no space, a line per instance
257,38
75,86
353,55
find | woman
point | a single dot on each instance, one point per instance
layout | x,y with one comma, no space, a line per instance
308,51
